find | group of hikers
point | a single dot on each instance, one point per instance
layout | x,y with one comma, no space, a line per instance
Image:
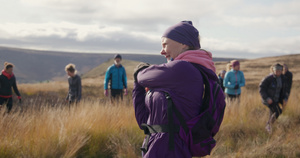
179,104
115,76
274,88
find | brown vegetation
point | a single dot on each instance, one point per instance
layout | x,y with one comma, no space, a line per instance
48,127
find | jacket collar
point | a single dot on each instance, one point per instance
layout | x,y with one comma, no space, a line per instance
7,75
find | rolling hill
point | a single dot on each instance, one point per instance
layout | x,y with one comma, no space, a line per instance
37,66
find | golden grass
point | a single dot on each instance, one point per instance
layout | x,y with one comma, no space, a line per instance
87,129
94,128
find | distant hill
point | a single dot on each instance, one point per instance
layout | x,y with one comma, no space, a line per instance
38,66
100,70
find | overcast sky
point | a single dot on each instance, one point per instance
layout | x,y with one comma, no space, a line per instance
228,28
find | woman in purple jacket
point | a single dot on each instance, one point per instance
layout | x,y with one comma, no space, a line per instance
180,79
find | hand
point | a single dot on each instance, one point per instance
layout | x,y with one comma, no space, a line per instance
236,86
106,92
138,68
284,104
125,91
20,100
270,101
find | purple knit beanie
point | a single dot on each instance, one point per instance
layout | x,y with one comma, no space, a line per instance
185,33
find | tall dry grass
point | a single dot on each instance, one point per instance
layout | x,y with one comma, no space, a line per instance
95,128
84,130
243,133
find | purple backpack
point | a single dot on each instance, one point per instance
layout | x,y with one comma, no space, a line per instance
198,132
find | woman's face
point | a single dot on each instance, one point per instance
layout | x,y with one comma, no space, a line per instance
9,70
71,74
171,49
277,73
236,68
223,75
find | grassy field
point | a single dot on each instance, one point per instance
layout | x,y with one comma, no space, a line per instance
48,127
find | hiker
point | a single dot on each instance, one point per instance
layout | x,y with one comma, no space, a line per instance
116,75
233,81
289,79
7,82
221,76
74,80
273,91
179,79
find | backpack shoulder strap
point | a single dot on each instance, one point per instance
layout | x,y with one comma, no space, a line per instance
205,101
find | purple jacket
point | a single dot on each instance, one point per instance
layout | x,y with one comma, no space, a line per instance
185,85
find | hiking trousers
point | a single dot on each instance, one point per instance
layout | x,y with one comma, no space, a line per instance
274,108
8,102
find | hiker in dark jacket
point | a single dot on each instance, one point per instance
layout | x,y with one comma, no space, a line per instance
273,92
221,76
74,93
180,79
116,75
7,82
289,79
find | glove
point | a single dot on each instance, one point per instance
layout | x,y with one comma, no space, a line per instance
106,92
236,86
141,66
20,100
125,91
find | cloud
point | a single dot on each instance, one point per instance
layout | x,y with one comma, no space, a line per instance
136,26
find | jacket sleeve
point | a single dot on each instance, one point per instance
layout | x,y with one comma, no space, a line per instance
124,79
242,80
263,88
107,77
138,98
165,75
289,82
67,98
226,81
79,89
15,87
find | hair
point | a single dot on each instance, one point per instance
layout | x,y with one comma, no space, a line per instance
285,67
275,65
71,68
8,65
228,67
221,72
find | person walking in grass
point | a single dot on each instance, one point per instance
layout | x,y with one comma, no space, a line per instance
74,80
233,81
7,83
289,79
116,75
180,79
221,76
273,92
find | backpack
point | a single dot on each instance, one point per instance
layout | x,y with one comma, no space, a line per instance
198,132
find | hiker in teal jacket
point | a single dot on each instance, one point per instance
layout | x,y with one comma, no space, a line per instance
116,75
234,80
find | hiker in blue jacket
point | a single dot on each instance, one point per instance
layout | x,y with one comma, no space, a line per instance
7,83
116,75
234,80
